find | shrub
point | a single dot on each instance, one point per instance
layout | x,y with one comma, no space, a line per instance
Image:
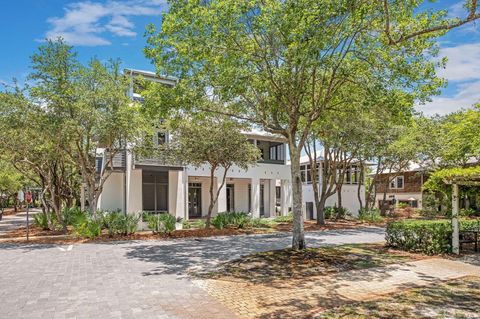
89,228
402,205
231,219
426,236
329,212
73,216
284,219
198,224
370,215
118,223
41,220
261,222
467,212
161,223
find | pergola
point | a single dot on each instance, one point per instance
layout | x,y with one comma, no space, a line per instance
469,176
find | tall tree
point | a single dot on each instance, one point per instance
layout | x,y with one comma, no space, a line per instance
282,64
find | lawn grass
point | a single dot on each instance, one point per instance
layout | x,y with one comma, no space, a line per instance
459,298
287,264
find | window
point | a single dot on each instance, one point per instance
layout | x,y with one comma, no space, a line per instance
397,183
161,138
277,152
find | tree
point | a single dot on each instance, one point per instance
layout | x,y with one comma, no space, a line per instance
216,141
11,182
91,108
282,64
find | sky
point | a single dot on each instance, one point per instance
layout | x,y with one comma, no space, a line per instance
115,29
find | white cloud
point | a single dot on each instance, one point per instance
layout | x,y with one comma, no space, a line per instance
463,62
462,69
87,23
466,96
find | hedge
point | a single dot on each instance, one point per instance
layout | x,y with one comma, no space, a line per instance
426,236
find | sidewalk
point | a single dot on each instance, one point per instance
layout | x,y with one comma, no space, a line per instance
258,301
12,222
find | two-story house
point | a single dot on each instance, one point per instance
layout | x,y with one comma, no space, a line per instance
349,191
401,187
163,186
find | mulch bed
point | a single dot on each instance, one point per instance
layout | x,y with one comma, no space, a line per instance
280,267
58,237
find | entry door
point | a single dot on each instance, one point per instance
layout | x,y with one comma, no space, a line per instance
309,208
194,200
262,200
230,197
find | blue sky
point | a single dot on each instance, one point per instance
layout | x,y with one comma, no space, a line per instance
115,29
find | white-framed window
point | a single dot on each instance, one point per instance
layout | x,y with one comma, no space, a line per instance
397,183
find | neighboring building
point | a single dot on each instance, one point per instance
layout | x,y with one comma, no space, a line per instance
349,189
160,186
401,187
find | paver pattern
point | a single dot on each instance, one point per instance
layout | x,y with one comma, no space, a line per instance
312,296
143,279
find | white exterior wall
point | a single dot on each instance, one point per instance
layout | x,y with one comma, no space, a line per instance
349,198
111,198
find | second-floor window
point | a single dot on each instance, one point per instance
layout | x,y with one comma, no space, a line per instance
397,183
277,152
161,138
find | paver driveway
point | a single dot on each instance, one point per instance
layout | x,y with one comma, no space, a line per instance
143,279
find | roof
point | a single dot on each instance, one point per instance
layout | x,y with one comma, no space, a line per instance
152,76
263,135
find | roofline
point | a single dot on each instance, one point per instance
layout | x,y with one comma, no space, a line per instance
152,76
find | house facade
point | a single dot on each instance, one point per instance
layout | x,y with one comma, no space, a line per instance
403,187
349,189
161,186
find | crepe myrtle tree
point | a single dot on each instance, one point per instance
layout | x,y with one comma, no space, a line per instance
214,140
281,64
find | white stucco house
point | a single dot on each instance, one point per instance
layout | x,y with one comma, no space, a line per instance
349,190
153,185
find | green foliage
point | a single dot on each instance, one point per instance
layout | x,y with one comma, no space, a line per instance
88,228
41,220
161,223
262,222
402,205
426,236
74,215
284,219
231,219
118,223
437,179
467,212
334,212
370,215
197,224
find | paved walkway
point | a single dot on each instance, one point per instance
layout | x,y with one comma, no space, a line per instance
265,301
143,279
12,222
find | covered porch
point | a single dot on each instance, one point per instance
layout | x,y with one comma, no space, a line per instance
261,197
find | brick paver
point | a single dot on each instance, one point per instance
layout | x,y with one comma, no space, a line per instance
143,279
265,301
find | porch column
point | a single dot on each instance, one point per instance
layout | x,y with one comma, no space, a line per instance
255,196
272,185
284,197
455,226
176,194
222,196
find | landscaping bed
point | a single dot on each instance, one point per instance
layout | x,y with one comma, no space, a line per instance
458,298
281,266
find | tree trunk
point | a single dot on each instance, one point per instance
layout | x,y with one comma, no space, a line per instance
298,240
320,206
339,196
212,197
